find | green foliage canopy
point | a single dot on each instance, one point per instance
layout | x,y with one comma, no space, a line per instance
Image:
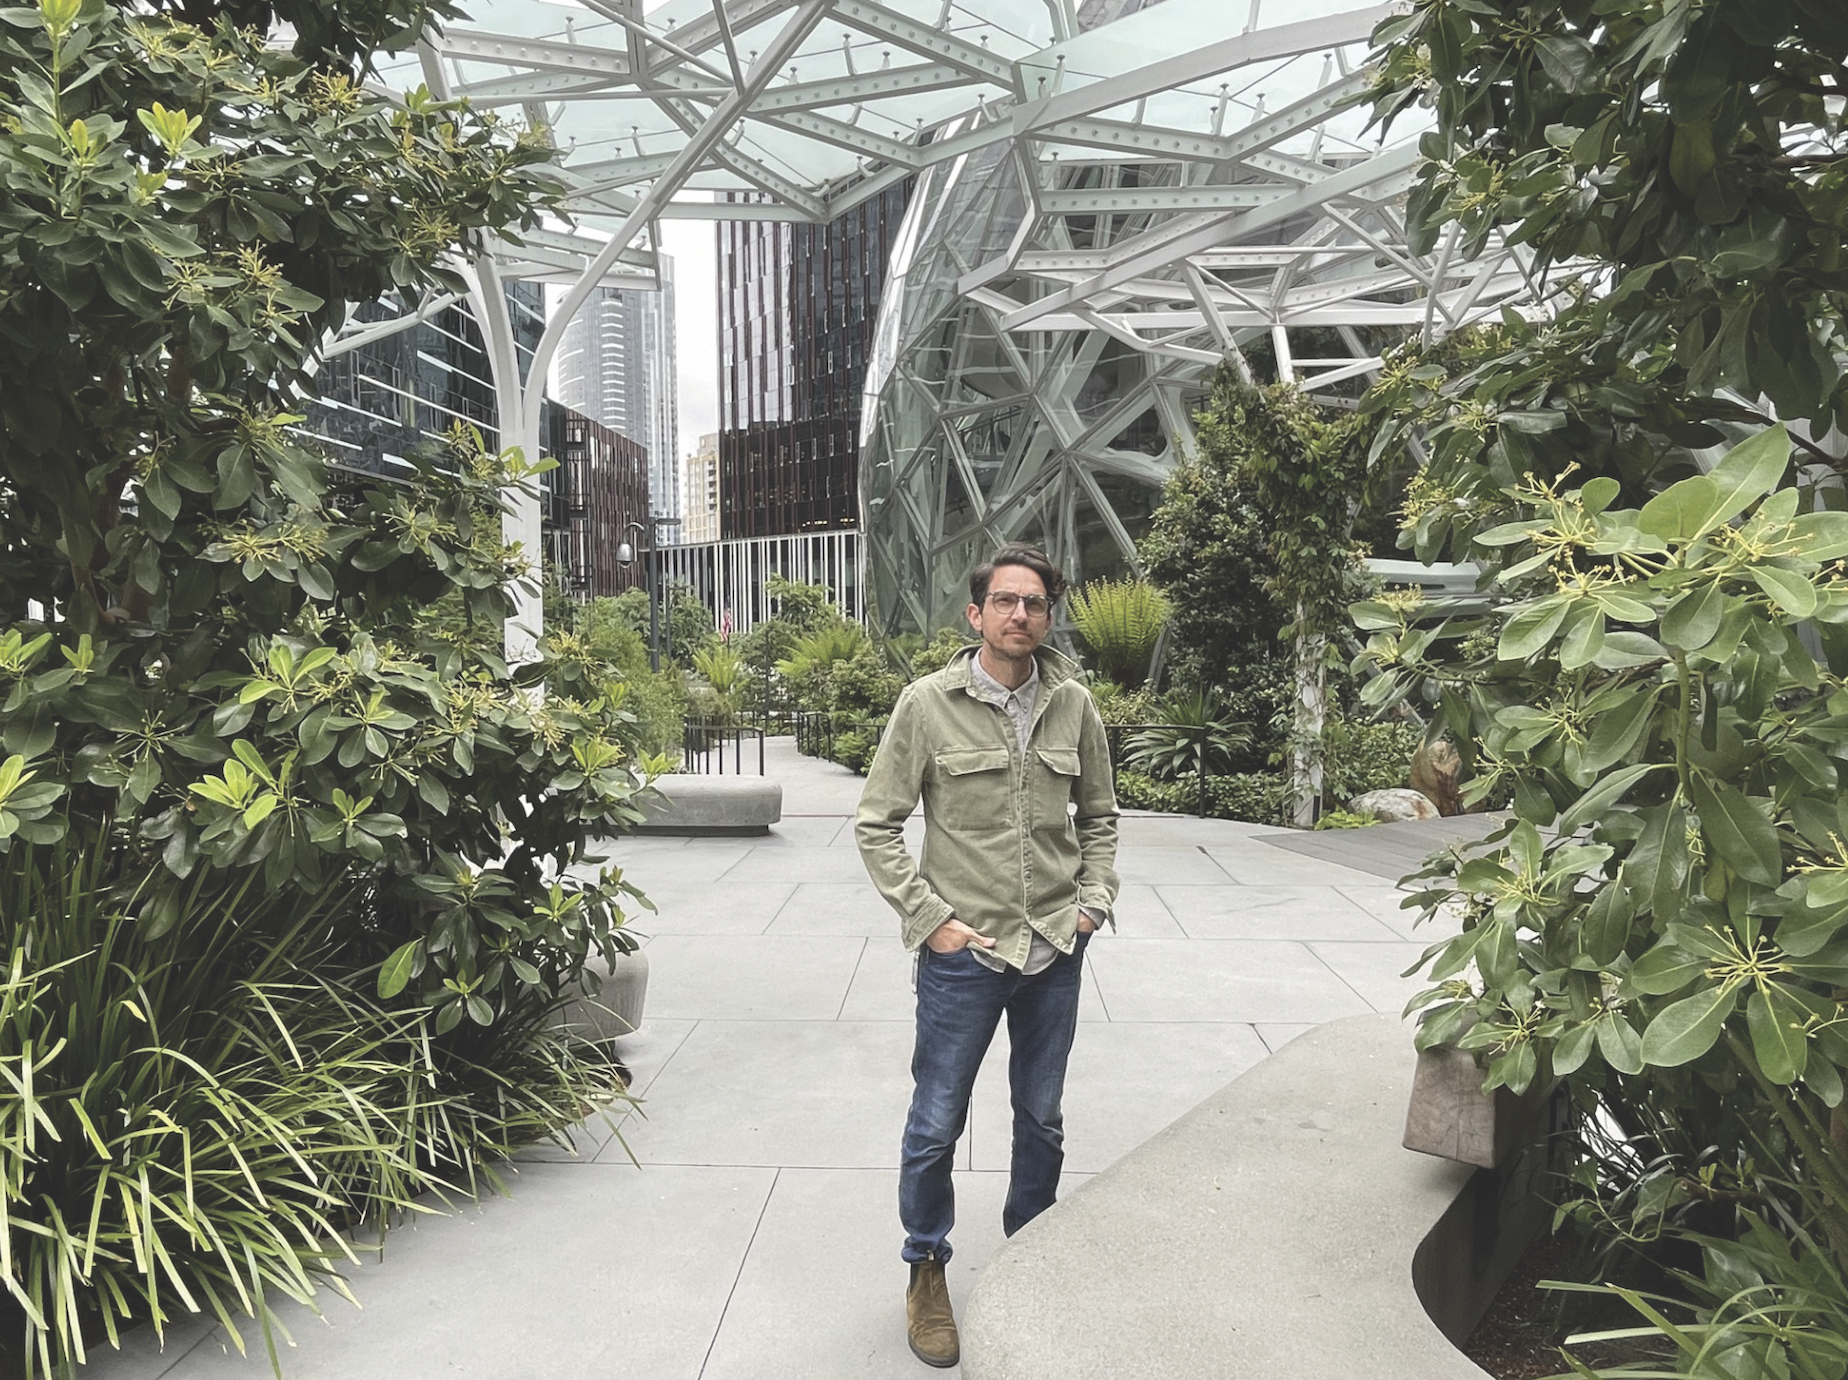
1691,156
235,663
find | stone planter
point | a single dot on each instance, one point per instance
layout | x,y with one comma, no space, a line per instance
1451,1117
616,1008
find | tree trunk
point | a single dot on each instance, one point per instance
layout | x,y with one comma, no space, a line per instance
1306,739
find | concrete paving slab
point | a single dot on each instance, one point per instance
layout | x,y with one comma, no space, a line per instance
1254,863
645,1052
1270,912
1141,914
1125,1082
1373,970
794,866
1219,980
705,908
1276,1034
802,831
145,1356
1178,866
881,989
828,1094
749,977
1139,828
682,866
835,908
599,1245
822,1292
1382,902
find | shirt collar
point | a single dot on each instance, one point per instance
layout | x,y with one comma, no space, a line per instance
991,689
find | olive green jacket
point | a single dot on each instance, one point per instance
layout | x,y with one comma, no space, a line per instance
1003,849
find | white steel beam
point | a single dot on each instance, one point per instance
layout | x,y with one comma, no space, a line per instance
1210,60
1189,234
535,54
706,33
1105,201
357,335
867,86
926,40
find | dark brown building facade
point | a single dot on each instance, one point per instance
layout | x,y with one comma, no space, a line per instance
598,489
797,308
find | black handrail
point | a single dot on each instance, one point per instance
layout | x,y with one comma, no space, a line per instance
703,744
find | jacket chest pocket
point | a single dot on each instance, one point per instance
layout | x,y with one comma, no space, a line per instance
1054,773
973,788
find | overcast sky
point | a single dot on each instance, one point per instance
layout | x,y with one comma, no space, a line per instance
694,247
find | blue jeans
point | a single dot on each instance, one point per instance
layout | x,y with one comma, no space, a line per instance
960,1004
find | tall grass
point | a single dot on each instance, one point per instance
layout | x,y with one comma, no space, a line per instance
191,1123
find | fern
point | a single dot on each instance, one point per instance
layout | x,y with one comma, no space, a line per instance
1121,621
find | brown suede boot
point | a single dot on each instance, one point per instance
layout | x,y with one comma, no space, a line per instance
929,1324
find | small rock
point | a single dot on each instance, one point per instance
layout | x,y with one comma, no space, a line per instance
1389,807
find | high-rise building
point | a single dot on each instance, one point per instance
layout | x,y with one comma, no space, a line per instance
598,490
379,401
615,366
797,306
700,503
394,393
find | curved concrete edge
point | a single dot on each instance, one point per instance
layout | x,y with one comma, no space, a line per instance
1269,1233
615,1009
690,803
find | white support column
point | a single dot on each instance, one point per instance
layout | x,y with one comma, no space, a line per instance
520,524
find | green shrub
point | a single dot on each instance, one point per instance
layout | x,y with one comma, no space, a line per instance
1255,797
1364,757
937,653
723,683
840,673
1193,735
196,1118
686,623
1115,705
853,748
652,706
1344,819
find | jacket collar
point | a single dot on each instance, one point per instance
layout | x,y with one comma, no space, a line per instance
1055,668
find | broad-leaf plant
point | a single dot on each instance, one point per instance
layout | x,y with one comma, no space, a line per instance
1660,695
209,641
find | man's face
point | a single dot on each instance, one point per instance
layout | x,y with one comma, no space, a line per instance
1013,635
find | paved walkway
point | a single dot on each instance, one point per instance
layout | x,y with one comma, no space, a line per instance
759,1236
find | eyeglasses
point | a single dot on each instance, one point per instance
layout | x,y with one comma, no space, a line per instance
1004,602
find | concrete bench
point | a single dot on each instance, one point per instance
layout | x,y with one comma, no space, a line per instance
689,803
1278,1232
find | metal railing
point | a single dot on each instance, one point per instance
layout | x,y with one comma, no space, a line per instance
703,747
815,730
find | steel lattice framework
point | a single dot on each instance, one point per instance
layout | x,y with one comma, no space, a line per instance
1112,197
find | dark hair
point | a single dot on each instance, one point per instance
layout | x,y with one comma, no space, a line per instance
1017,553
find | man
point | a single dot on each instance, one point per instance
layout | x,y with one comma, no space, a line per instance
1002,743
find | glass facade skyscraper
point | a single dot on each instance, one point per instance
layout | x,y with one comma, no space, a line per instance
616,366
797,307
378,402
